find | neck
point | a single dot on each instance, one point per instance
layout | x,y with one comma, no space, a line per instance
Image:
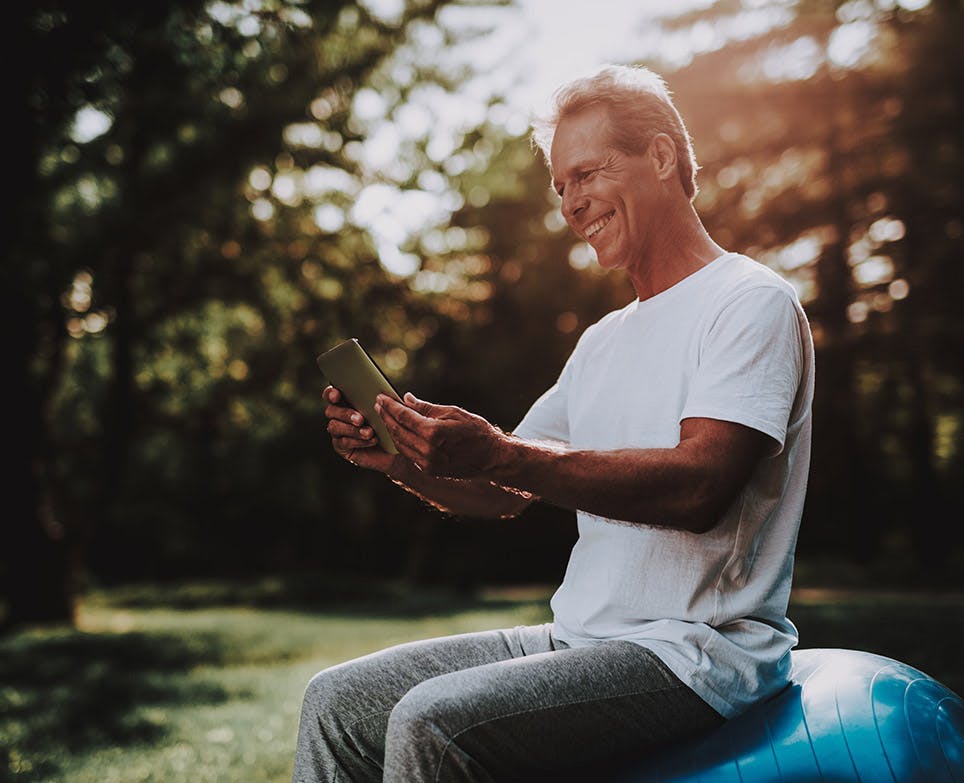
681,248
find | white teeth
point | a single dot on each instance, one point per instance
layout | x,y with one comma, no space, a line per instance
597,225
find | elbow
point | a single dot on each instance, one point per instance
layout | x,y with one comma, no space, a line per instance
502,503
514,504
685,515
699,521
702,510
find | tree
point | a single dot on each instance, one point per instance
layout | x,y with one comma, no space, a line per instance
820,143
136,129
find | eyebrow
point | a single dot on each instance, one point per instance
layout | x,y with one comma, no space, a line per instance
581,166
577,168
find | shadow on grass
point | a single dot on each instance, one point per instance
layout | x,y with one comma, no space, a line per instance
344,595
69,691
923,629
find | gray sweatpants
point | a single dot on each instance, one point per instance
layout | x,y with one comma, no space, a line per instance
514,704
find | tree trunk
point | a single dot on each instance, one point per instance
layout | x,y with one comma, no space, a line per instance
34,580
35,584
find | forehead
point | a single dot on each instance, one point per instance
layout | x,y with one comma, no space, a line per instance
580,139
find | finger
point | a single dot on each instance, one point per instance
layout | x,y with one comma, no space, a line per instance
409,441
423,407
339,429
402,415
345,414
345,445
411,452
432,410
341,412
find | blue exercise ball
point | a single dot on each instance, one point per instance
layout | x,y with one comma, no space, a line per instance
846,716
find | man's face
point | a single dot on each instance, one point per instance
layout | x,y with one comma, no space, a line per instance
609,198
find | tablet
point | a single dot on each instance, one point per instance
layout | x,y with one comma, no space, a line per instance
349,368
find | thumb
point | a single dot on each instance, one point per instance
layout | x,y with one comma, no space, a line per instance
421,406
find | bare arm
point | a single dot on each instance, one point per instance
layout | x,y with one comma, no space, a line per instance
687,487
476,497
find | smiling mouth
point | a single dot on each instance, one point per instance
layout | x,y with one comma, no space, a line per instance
598,225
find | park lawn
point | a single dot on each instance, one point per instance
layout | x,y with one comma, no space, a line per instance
144,692
154,687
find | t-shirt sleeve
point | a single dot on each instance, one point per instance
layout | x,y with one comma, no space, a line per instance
751,364
548,418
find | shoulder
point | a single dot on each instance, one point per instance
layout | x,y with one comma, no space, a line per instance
742,274
748,283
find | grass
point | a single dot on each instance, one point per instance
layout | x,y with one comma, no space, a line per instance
203,682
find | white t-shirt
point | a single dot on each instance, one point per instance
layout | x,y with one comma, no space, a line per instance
729,342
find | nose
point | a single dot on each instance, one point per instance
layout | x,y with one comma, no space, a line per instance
573,203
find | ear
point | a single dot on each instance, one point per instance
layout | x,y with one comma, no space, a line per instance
663,154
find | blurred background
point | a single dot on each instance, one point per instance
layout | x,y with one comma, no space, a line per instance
206,195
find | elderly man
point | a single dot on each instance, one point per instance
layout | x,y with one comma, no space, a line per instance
678,430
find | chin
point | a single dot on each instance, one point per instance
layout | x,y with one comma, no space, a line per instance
607,262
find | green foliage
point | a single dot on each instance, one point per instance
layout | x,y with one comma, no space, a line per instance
178,286
840,167
201,216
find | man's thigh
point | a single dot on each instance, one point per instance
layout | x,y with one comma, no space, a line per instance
354,699
548,713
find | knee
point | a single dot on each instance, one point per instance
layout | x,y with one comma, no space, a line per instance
428,704
330,692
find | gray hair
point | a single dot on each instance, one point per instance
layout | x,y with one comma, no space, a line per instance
639,107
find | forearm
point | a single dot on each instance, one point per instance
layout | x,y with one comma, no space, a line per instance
666,486
689,486
475,497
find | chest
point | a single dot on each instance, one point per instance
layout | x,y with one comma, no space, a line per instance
631,387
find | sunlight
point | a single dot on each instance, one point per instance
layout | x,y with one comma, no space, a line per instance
581,256
231,97
89,124
796,61
304,134
259,178
95,323
886,229
899,289
262,209
562,40
286,189
368,105
520,53
329,218
678,47
873,271
850,43
387,11
395,261
801,252
80,297
320,180
857,312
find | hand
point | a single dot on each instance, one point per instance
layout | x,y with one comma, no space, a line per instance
442,440
351,436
